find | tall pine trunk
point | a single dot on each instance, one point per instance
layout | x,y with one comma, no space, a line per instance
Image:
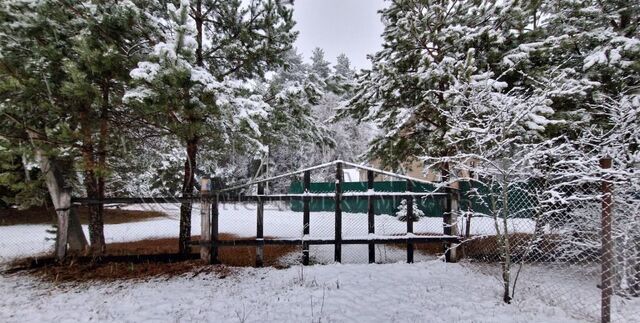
96,223
102,163
192,151
187,192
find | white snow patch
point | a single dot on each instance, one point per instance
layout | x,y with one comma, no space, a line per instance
421,292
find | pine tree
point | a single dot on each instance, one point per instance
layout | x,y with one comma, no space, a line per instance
318,64
98,68
68,94
200,86
589,48
401,214
290,131
351,137
431,49
37,122
343,67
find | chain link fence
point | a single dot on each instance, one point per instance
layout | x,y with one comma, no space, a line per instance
549,231
550,237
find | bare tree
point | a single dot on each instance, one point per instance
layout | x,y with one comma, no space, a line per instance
495,135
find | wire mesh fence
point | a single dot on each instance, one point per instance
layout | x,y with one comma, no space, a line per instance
552,235
575,245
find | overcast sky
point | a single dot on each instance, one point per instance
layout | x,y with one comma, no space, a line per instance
352,27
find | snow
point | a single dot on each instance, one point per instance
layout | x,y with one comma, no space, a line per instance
427,291
393,291
599,56
145,71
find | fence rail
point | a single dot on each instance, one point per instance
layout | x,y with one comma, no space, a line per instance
210,200
222,197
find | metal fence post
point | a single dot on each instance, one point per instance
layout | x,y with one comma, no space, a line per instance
205,219
338,219
306,216
409,222
607,244
260,227
371,216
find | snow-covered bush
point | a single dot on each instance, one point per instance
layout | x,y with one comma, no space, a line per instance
401,214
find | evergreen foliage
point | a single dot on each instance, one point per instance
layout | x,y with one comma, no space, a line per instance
401,214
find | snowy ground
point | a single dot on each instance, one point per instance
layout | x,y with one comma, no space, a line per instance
423,292
240,219
426,291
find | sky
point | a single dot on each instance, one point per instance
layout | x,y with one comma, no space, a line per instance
352,27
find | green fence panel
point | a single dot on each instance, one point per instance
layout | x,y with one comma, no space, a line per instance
523,203
431,206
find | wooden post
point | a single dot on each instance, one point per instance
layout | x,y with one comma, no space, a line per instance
214,229
449,208
607,245
260,227
454,195
371,215
338,219
205,219
62,212
409,221
306,216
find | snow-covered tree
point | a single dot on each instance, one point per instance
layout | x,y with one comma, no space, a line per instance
573,199
498,136
594,45
319,65
431,49
352,138
401,214
243,40
64,69
291,132
300,129
195,90
343,67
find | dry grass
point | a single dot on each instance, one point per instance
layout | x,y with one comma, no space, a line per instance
485,248
83,271
241,256
431,248
44,215
146,259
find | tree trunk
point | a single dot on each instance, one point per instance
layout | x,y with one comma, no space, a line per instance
27,175
506,265
102,163
55,184
199,20
634,266
96,223
192,150
187,192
